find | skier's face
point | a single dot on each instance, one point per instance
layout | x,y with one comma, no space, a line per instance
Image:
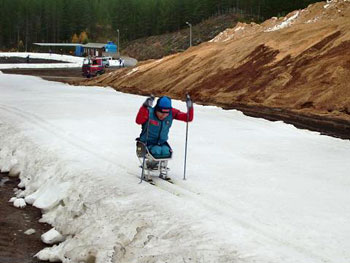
162,115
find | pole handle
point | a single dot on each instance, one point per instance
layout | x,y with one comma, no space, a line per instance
189,103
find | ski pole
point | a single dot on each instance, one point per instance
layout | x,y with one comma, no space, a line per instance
188,112
144,155
143,166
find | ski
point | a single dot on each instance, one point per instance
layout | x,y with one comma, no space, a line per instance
153,182
167,180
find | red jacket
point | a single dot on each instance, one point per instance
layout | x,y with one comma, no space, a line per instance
142,115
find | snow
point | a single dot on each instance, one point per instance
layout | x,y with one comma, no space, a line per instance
132,71
312,20
19,202
73,61
223,36
256,191
284,24
52,236
53,56
330,2
30,231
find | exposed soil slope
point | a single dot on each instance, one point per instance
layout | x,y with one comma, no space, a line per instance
158,46
298,64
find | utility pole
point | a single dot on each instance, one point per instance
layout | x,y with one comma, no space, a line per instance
17,38
26,45
190,25
118,47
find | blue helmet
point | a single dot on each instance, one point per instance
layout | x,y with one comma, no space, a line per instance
163,104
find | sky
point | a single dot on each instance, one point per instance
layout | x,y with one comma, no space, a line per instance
256,191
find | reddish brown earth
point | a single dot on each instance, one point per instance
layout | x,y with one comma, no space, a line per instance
299,73
15,246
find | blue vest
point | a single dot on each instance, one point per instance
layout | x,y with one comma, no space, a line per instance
157,130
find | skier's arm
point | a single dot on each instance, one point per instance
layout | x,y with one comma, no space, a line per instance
142,115
182,116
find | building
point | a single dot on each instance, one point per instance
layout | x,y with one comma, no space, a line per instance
90,49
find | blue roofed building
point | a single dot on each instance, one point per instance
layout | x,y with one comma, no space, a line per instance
89,49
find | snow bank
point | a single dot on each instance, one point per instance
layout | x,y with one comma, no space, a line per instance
19,202
74,62
52,236
40,65
284,24
99,212
52,56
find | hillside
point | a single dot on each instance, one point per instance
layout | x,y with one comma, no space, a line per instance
158,46
290,68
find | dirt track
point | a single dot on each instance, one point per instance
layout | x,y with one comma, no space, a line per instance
15,246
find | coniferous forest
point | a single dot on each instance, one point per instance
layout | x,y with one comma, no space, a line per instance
23,22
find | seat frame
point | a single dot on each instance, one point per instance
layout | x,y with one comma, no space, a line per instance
151,163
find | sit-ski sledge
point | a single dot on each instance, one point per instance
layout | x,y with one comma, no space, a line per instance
151,165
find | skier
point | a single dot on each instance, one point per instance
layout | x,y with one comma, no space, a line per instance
156,122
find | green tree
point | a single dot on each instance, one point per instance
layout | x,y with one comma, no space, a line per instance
75,38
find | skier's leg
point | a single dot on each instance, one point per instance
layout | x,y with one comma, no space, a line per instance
165,151
148,177
164,164
164,170
156,150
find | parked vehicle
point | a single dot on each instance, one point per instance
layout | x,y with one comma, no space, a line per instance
105,61
93,67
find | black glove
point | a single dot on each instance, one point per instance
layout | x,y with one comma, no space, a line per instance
149,101
189,102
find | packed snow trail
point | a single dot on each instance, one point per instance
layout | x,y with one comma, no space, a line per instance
256,191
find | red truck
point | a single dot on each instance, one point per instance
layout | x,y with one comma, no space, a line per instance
93,67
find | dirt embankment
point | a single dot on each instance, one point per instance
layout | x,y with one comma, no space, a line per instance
158,46
295,68
15,245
